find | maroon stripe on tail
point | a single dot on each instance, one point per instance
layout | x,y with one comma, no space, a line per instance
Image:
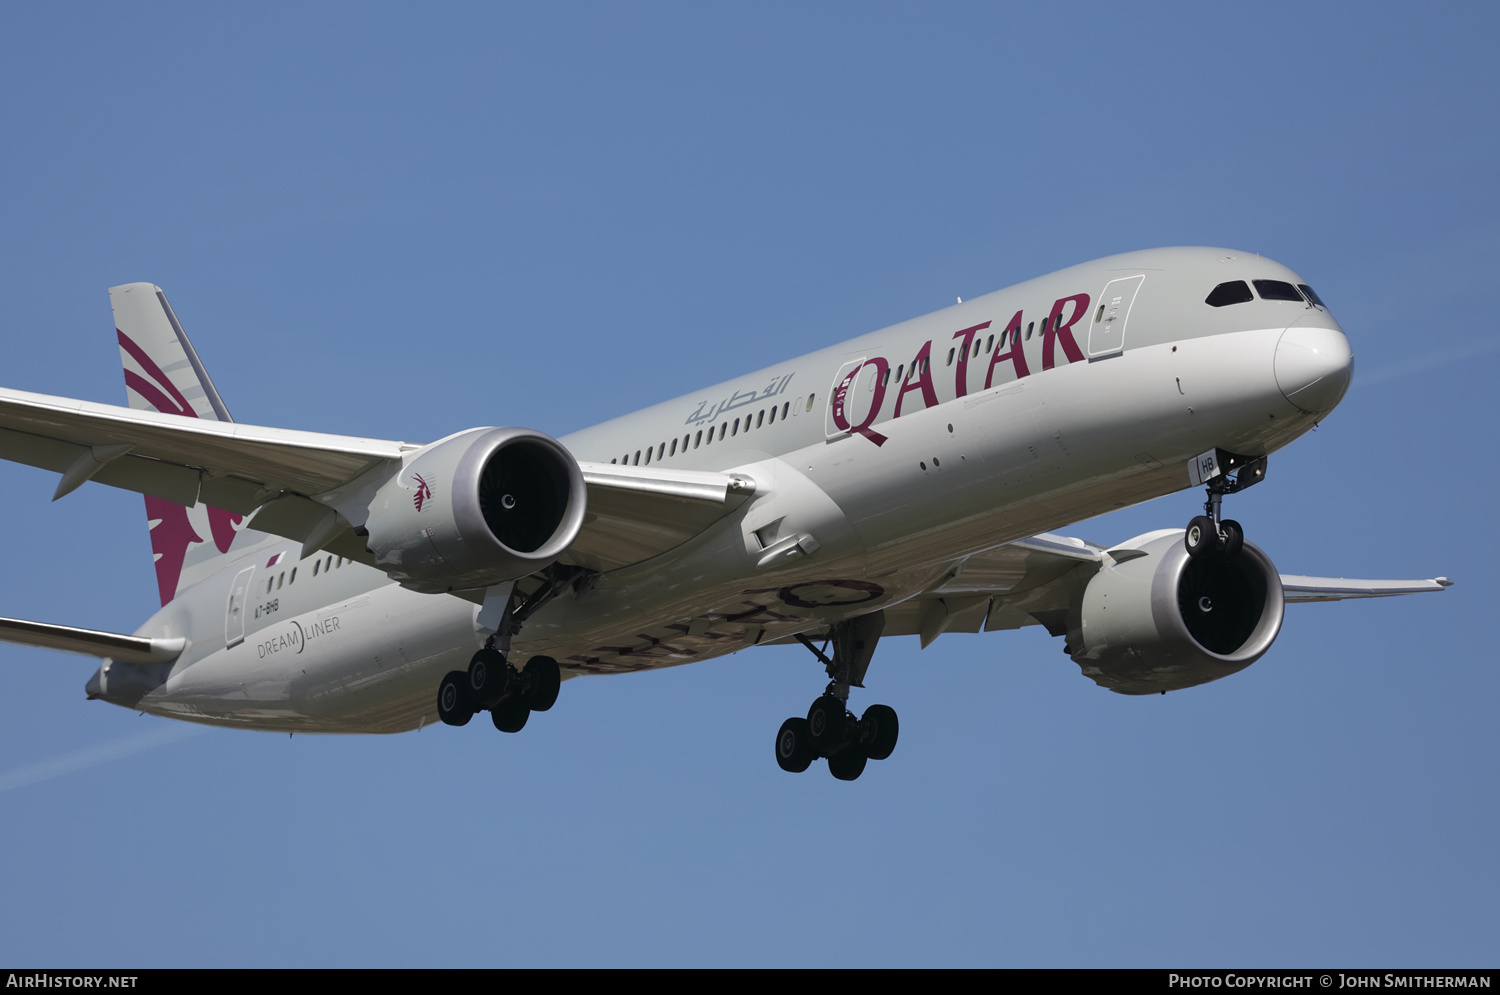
174,532
151,393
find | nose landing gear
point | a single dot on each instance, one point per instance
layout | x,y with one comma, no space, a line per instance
830,729
1210,534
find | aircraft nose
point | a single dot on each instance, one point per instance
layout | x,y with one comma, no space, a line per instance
1313,367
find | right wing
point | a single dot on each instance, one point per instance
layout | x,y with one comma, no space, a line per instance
1303,589
1040,580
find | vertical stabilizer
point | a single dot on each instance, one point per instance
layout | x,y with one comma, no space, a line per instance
163,373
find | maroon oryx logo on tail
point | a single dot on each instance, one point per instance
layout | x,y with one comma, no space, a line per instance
424,492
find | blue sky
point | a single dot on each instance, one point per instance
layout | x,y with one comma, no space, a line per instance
401,221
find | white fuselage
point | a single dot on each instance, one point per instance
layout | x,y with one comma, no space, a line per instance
855,507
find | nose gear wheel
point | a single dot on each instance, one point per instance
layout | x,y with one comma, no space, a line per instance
1210,534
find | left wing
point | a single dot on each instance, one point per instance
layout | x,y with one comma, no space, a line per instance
290,479
186,460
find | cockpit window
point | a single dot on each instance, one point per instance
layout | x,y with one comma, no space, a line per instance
1312,295
1233,292
1276,290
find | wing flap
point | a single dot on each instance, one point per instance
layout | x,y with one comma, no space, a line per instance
170,481
91,642
1028,582
636,513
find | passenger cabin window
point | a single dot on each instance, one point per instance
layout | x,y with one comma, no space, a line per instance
1225,294
1312,295
1277,290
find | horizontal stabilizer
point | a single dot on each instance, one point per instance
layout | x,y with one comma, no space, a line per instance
1339,588
91,642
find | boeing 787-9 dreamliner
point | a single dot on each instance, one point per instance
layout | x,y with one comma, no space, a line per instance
900,483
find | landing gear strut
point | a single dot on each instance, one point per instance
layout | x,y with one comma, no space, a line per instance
492,683
1210,534
830,729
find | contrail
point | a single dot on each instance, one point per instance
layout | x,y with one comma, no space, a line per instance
92,756
1427,362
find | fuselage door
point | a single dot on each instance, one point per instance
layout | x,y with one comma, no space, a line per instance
234,618
1107,330
847,403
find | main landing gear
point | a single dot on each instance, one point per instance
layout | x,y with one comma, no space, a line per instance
830,729
1210,534
493,684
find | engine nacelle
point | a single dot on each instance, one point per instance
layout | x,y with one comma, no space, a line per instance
1155,619
475,509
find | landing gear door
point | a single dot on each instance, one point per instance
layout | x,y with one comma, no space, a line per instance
1107,330
234,617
